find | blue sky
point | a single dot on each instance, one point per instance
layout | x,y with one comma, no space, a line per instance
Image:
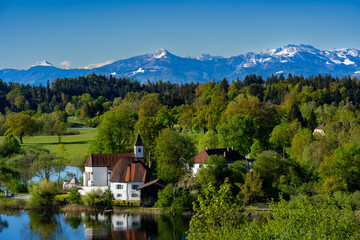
81,32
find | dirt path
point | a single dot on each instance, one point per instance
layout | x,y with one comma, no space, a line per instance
25,197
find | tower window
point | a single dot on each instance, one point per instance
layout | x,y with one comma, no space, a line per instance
139,150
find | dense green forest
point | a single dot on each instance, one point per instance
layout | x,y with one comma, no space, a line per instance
272,120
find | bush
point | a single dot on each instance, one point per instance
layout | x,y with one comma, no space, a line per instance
179,203
182,202
72,132
327,219
74,196
165,197
43,193
98,198
355,200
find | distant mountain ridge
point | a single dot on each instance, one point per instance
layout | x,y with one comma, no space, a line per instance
162,65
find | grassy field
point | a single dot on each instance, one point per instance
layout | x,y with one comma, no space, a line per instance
75,145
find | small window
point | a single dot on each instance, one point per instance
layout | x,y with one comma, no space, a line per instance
119,186
119,195
135,224
134,187
134,195
119,223
139,150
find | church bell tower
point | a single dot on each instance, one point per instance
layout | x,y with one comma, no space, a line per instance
139,147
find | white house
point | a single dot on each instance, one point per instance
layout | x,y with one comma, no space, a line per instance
122,173
320,130
202,158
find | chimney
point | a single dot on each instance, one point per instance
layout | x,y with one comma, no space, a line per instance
232,148
228,149
206,148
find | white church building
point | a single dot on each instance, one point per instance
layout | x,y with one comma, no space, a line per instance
122,173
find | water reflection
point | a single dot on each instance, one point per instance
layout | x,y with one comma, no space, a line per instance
44,224
3,224
129,226
51,225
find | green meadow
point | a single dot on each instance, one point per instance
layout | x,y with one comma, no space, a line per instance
76,145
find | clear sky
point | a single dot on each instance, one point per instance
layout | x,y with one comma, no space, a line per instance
76,33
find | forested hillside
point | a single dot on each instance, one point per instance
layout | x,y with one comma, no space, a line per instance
272,120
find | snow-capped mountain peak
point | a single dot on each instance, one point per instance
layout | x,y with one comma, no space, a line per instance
160,53
43,63
206,57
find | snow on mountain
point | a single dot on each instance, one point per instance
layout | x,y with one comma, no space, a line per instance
160,53
97,65
162,65
43,63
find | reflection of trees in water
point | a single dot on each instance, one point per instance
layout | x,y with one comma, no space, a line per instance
74,222
74,219
171,227
3,224
98,221
45,224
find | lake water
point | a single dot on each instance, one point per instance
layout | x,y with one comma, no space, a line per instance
69,170
49,225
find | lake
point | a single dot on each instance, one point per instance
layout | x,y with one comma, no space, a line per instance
69,170
50,225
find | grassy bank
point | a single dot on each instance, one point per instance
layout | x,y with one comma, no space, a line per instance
11,203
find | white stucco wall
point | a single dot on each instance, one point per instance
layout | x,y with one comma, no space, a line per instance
197,166
126,191
99,176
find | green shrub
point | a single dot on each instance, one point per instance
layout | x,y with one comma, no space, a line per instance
165,197
355,200
327,219
43,193
98,198
74,196
182,202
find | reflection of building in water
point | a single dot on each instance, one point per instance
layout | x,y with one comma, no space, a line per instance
120,222
105,226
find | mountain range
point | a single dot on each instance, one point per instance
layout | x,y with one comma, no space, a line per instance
162,65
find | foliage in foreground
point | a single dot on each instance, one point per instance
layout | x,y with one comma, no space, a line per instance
218,213
218,217
329,219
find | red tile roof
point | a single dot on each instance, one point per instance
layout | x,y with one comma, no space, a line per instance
125,167
230,155
106,159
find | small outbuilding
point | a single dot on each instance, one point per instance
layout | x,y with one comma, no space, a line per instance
149,192
72,184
